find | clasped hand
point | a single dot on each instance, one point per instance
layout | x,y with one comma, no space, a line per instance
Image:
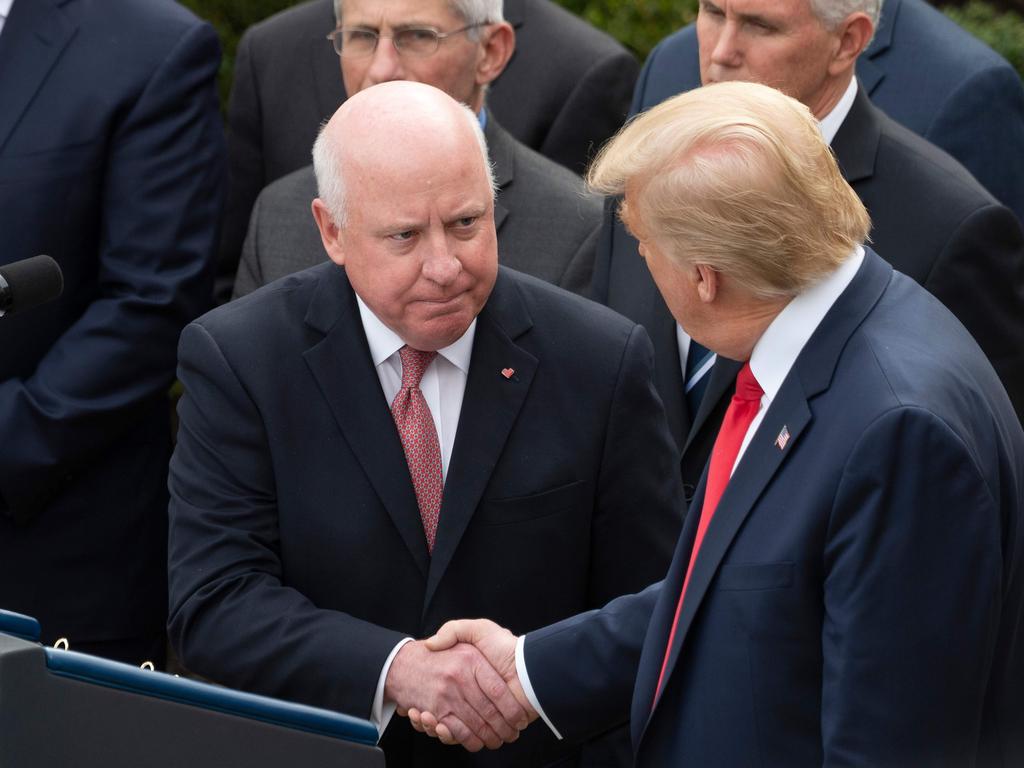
461,686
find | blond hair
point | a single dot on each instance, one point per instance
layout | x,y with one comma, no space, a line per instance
735,176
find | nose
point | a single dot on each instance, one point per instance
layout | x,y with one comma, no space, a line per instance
386,64
440,264
726,51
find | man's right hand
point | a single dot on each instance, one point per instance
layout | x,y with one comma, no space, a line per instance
460,687
498,645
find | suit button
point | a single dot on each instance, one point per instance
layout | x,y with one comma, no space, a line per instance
688,491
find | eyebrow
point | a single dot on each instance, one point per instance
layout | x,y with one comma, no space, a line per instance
470,211
397,27
745,18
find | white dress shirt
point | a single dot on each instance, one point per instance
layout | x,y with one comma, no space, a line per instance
443,386
770,361
5,11
829,126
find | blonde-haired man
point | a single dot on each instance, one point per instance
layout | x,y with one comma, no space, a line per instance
931,219
849,582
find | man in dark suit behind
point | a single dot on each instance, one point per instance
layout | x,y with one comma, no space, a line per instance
111,161
546,220
313,531
923,71
848,586
564,92
930,219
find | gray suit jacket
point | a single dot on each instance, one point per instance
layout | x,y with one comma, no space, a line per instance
565,91
547,223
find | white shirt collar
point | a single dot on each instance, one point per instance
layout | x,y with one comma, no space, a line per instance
779,346
384,342
831,122
5,11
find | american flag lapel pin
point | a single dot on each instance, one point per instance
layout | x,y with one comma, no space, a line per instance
783,437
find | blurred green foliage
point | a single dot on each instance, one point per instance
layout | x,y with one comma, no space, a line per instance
638,24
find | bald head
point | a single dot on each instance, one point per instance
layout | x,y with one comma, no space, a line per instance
393,124
416,235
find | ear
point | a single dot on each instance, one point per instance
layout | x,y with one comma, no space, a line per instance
852,37
708,283
497,44
330,234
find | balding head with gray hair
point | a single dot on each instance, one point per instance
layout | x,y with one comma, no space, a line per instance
470,11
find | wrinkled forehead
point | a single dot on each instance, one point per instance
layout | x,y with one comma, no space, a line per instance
389,14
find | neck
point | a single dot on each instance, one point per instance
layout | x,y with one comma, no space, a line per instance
825,101
740,327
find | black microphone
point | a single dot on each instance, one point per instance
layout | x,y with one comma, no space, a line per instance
27,283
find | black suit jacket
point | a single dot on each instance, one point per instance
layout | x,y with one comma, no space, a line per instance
564,92
297,555
547,222
929,217
111,161
858,595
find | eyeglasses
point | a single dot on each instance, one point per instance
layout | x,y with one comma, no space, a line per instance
416,41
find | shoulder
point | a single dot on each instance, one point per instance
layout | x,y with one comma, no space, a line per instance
551,184
923,33
144,32
297,187
955,59
672,68
922,356
568,319
564,35
914,160
270,319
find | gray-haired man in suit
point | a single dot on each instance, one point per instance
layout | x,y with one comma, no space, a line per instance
546,223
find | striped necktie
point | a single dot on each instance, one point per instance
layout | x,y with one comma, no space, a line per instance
699,361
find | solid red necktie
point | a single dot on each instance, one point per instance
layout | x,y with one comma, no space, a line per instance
742,409
419,439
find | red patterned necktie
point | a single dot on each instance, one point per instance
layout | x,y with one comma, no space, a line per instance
741,412
419,439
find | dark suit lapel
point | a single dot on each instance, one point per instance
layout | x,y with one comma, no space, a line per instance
856,142
721,384
489,409
326,66
502,154
34,36
869,73
790,410
344,371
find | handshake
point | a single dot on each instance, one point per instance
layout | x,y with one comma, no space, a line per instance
461,686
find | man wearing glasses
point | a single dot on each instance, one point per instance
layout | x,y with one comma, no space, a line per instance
546,222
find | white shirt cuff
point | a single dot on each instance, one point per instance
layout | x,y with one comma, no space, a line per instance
381,713
524,681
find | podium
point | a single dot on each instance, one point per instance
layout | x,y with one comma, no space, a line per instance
62,708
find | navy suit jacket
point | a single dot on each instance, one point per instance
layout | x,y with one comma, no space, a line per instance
297,554
859,593
923,71
930,219
111,161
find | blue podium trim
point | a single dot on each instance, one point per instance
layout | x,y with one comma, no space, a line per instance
19,625
113,674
